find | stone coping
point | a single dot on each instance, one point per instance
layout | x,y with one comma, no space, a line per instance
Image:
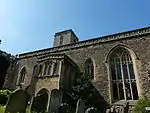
85,43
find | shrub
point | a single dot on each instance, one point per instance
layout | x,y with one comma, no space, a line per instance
27,110
4,94
2,109
141,104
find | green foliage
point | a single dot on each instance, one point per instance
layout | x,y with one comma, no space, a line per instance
4,94
141,104
2,109
82,88
27,110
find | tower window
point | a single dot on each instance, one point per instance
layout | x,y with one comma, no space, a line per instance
61,40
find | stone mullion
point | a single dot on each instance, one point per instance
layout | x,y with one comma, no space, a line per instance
60,67
129,78
123,80
47,70
59,73
52,68
115,62
43,69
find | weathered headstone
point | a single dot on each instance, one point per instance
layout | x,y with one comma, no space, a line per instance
39,103
91,110
80,106
112,109
17,102
55,101
64,108
108,111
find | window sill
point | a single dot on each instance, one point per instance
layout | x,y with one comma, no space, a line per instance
46,76
121,102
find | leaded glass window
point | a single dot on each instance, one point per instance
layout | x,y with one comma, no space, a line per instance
122,76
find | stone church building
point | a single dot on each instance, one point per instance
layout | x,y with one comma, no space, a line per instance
118,65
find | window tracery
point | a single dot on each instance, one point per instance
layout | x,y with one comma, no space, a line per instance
122,76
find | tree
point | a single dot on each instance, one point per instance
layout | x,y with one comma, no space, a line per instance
83,88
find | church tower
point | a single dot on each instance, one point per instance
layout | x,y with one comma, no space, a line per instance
64,38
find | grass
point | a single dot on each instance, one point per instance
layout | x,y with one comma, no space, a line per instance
2,109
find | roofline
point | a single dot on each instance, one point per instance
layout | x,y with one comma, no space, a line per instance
69,30
112,37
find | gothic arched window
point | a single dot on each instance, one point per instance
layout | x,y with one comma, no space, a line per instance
49,68
40,69
22,75
35,71
89,68
45,68
122,76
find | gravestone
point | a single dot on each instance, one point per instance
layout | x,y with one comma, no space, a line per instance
108,111
17,102
112,109
80,106
55,101
39,103
65,108
91,110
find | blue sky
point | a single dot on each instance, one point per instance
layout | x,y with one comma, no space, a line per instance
28,25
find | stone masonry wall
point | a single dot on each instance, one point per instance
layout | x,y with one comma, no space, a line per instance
98,53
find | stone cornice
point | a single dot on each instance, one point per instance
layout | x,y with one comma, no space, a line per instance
48,57
113,37
55,56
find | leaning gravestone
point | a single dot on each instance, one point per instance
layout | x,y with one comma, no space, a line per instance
17,102
108,111
80,106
